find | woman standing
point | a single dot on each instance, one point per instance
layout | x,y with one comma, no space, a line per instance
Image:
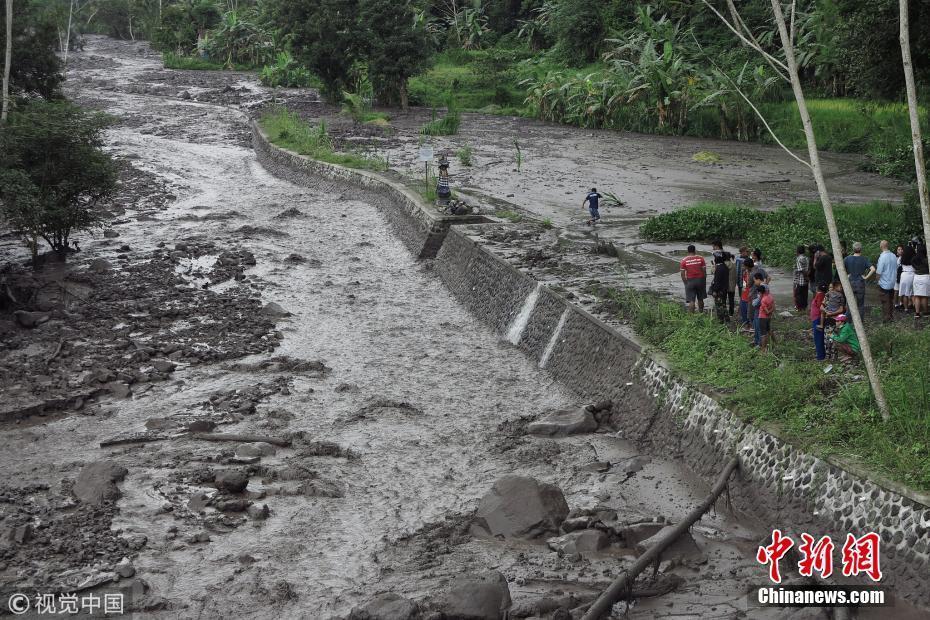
906,286
921,281
899,252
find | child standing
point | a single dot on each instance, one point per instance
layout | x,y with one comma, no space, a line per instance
816,326
766,310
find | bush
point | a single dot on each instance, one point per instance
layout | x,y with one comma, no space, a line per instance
448,125
778,233
702,222
53,172
465,155
287,73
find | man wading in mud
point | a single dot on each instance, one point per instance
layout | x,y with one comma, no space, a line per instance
591,200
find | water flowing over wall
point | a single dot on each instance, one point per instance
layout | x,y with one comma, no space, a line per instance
777,483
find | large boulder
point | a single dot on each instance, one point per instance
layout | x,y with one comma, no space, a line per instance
564,422
96,484
388,606
483,596
521,507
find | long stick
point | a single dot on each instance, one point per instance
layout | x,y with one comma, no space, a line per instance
919,164
814,155
243,438
7,61
623,583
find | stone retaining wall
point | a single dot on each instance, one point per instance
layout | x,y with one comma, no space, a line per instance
778,484
422,229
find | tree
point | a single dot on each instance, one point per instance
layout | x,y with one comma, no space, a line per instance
7,60
579,29
789,68
324,36
35,68
53,172
914,113
396,48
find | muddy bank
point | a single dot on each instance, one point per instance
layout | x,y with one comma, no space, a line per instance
366,442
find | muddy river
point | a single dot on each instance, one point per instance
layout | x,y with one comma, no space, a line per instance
403,410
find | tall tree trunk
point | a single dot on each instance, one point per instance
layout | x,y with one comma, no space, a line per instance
919,164
68,35
7,62
788,46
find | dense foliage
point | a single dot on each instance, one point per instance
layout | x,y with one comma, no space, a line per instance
777,233
53,172
35,68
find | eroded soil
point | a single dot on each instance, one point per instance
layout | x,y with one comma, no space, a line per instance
230,302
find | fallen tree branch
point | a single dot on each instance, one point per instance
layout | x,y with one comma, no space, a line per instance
623,584
243,438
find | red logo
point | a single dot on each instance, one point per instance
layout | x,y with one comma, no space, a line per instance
860,555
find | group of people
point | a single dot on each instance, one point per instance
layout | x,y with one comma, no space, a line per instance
903,279
741,276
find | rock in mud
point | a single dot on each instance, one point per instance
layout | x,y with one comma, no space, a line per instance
125,569
258,513
231,481
30,319
388,606
683,548
109,233
564,422
477,597
258,448
271,309
96,484
100,265
521,507
119,389
164,366
581,541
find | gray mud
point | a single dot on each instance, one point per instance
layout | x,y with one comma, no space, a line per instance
397,409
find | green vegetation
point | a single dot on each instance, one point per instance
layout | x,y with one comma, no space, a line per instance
192,63
507,214
288,73
483,80
777,233
448,125
832,413
53,172
35,68
285,129
546,223
706,157
359,109
465,155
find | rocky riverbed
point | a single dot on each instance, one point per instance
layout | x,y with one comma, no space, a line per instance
246,399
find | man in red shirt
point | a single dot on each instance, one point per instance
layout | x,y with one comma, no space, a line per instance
694,276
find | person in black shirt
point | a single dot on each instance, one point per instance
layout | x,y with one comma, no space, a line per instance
592,202
720,286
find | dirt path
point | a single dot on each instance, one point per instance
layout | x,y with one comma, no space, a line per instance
400,409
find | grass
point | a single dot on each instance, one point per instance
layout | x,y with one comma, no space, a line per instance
474,78
195,63
706,157
506,214
829,413
778,233
287,130
448,125
465,155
